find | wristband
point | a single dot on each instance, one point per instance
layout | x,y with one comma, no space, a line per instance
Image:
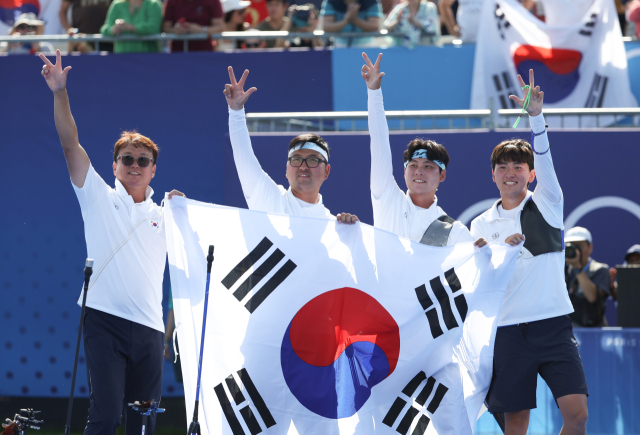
525,105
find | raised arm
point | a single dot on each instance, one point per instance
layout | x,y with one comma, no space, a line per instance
548,184
381,167
77,159
249,169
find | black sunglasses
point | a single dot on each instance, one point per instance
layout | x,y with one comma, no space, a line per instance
143,162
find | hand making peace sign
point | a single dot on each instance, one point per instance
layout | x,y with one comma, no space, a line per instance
371,73
537,96
234,93
55,76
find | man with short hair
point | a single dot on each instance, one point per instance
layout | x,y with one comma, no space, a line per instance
307,165
123,328
276,21
588,281
535,335
190,17
414,214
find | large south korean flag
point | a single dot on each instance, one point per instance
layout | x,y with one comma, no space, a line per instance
320,328
579,65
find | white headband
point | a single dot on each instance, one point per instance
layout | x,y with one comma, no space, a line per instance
310,146
422,154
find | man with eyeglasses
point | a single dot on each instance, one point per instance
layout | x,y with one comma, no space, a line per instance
123,327
307,166
416,214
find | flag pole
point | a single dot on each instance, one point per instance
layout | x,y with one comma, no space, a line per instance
194,427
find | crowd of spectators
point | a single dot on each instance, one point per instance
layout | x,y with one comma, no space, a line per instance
412,22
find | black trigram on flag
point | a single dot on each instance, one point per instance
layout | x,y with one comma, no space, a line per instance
416,405
587,30
258,274
597,91
243,406
504,88
444,300
501,21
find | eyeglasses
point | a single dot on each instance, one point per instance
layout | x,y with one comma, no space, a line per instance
26,27
312,162
143,162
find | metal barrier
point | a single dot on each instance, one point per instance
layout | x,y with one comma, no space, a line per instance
429,119
609,117
98,38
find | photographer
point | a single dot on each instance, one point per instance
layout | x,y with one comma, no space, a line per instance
587,280
301,18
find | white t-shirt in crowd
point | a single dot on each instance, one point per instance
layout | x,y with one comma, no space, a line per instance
260,191
129,249
393,210
537,288
468,18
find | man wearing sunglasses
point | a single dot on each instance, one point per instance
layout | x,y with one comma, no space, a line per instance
123,327
307,166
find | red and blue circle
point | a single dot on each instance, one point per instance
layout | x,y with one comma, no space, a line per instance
337,347
556,69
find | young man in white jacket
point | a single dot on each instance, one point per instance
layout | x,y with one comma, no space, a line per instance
535,335
307,165
414,214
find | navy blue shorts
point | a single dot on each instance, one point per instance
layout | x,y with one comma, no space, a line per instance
547,347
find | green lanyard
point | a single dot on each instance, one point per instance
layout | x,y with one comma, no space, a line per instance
525,106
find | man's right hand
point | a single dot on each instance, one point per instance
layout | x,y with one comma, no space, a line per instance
371,73
234,93
55,76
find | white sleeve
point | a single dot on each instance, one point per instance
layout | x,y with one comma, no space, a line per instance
548,187
249,170
91,191
381,162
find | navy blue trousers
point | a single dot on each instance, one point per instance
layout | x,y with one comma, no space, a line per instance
124,360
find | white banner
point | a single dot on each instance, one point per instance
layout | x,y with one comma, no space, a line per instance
578,65
315,327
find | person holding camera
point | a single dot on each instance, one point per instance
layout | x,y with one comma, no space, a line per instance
588,281
301,18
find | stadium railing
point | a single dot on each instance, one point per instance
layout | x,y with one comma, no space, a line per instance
440,119
164,37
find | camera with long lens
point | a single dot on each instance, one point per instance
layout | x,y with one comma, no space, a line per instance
571,251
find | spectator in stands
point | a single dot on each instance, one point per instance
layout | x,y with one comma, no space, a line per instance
632,15
416,20
87,17
632,258
351,16
588,281
193,16
234,12
133,17
26,24
275,21
304,19
464,24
